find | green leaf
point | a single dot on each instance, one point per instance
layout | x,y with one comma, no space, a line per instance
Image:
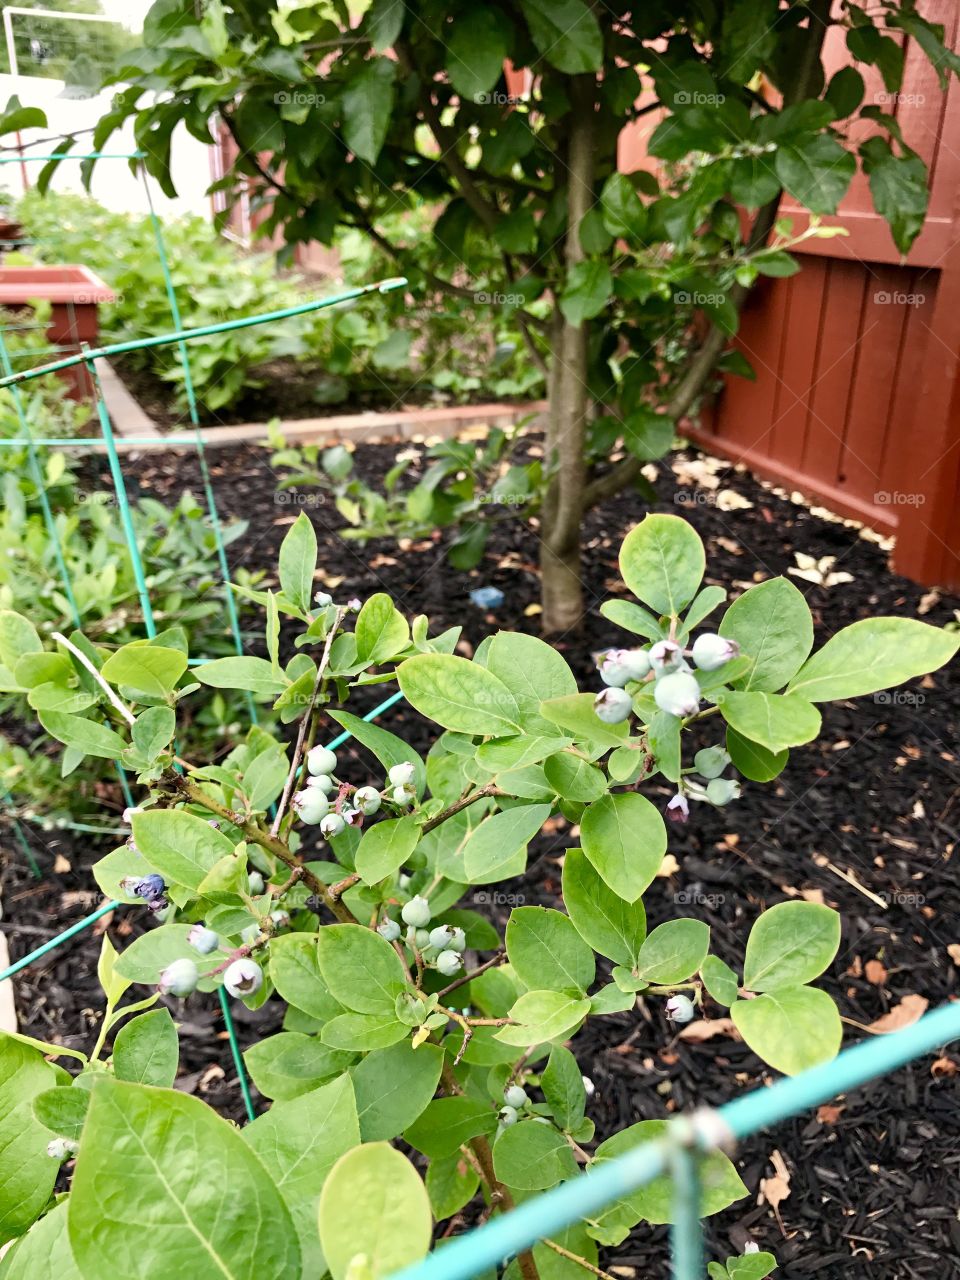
720,1186
374,1204
610,925
588,289
146,668
775,720
82,735
477,46
630,616
162,1161
448,1123
623,211
566,34
114,984
44,1252
542,1016
753,761
674,951
381,631
816,172
295,970
533,672
662,562
385,847
254,674
790,944
792,1028
394,1087
459,695
772,624
147,956
530,1156
147,1049
900,189
290,1063
491,848
563,1088
360,968
625,839
361,1032
576,715
545,950
384,23
451,1184
720,980
387,747
299,1142
180,846
154,730
367,104
845,91
27,1173
873,654
574,778
63,1111
751,1266
18,636
298,562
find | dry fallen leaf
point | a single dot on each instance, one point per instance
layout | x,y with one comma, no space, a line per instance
773,1191
61,865
707,1028
830,1112
905,1014
943,1067
669,866
953,951
875,972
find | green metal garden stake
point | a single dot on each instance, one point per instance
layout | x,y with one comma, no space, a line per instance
686,1230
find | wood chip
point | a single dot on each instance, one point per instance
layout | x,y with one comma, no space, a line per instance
875,972
830,1112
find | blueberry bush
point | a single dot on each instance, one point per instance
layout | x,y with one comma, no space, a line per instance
287,872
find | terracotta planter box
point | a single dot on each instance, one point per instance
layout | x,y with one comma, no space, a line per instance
74,293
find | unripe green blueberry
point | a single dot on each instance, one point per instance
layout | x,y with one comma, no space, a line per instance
680,1009
711,762
620,665
323,782
403,795
332,825
367,800
389,929
402,775
280,918
677,693
721,791
515,1097
310,805
459,940
256,882
448,962
508,1116
203,939
321,760
612,705
416,912
666,655
250,934
711,651
61,1149
243,978
441,936
322,598
422,938
179,978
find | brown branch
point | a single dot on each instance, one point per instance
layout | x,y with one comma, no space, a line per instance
468,977
462,803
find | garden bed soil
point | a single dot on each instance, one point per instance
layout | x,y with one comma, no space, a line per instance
866,820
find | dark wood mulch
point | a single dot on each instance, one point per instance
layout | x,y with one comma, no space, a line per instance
865,820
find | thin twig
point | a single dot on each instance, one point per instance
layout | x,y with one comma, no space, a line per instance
85,662
468,977
462,803
575,1257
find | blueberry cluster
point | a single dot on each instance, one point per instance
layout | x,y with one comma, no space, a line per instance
675,687
313,804
442,947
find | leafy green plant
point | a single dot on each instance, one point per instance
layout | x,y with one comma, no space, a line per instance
354,904
626,287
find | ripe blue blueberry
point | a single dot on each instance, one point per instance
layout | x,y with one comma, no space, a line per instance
310,805
151,886
448,962
416,912
515,1097
332,825
367,800
256,882
508,1116
402,775
711,762
612,705
321,760
389,929
680,1009
677,693
243,978
203,939
722,790
179,978
711,651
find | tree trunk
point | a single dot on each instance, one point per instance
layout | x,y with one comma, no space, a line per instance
562,592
